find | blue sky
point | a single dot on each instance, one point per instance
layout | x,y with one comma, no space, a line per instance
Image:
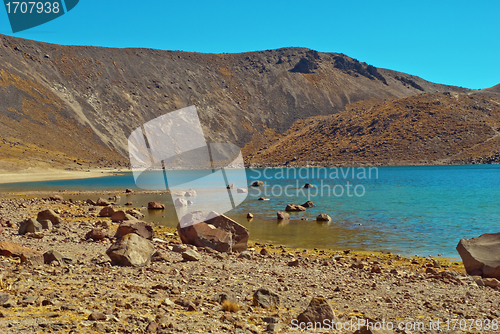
448,42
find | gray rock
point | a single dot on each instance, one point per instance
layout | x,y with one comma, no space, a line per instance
241,191
180,202
190,193
46,224
142,229
191,255
102,202
131,250
245,255
308,204
257,184
213,231
29,226
317,311
294,207
50,215
266,298
134,213
283,215
53,255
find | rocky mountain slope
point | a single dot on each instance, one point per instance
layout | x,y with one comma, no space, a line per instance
432,128
69,106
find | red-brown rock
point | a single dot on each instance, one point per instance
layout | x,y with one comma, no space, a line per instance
156,206
107,211
140,228
214,231
27,255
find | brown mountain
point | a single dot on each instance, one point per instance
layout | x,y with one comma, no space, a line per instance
74,106
432,128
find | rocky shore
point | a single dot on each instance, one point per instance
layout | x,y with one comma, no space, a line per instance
76,288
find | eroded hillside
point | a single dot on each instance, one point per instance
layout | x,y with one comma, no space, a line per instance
68,106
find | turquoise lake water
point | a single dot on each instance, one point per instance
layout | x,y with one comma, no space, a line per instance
423,210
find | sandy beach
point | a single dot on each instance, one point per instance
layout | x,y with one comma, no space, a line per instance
44,174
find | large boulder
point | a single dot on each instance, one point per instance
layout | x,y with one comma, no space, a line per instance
29,226
214,231
317,311
294,207
50,215
481,255
27,255
140,228
131,250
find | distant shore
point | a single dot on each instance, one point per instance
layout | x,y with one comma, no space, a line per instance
42,174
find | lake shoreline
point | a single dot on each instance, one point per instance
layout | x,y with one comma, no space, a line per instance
90,294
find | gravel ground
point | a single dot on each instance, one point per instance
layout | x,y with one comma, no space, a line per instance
170,295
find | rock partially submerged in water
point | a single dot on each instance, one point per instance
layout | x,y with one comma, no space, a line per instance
282,215
257,184
180,202
323,218
294,207
308,204
155,206
213,231
481,255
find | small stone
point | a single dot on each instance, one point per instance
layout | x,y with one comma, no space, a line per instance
191,255
266,298
95,234
257,184
152,327
249,215
245,255
97,316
